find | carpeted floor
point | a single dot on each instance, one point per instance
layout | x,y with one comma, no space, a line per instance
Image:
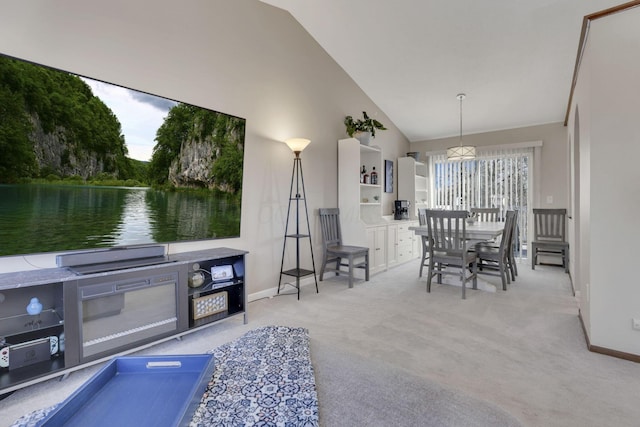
387,353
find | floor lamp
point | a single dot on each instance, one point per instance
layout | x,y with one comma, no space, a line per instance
297,195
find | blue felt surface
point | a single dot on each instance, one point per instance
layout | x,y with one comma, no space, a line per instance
127,392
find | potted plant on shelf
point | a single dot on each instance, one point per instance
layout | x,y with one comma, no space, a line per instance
363,129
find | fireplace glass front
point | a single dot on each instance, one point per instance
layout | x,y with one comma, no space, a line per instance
127,312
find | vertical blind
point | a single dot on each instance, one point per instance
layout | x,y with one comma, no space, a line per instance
498,178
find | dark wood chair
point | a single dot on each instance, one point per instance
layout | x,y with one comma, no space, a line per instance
336,252
549,227
486,214
449,247
422,219
494,259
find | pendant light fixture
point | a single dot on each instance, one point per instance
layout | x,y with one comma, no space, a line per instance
461,152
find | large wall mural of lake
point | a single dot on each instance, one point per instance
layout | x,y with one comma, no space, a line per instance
87,164
44,218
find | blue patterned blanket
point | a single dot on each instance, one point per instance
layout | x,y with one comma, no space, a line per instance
263,378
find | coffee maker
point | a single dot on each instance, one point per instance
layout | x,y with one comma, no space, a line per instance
401,210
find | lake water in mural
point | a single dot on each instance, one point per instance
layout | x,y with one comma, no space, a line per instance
44,218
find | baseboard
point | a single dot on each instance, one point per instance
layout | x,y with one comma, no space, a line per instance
271,292
603,350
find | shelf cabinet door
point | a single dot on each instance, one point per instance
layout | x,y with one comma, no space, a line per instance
376,240
392,245
406,243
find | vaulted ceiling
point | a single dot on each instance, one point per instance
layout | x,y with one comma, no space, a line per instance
514,59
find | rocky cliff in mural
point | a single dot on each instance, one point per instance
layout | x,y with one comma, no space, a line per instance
51,123
56,153
199,148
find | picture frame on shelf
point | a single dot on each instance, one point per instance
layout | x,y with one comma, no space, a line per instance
388,176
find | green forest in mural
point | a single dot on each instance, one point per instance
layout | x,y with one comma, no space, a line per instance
53,127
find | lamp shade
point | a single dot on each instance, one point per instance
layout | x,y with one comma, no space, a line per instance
462,152
297,144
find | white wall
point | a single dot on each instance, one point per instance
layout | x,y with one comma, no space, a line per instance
606,98
240,57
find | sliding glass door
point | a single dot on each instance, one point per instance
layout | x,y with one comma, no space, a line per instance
495,179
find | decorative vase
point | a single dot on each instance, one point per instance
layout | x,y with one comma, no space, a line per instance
363,137
34,307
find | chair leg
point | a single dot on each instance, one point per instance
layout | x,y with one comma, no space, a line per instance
366,269
512,267
475,274
351,272
338,262
430,273
533,256
324,265
424,255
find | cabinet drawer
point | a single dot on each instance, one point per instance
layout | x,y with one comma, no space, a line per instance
405,253
404,228
405,239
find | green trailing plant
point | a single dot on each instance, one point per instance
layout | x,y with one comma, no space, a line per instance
366,124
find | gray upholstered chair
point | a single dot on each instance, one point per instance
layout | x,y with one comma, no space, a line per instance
422,219
486,214
549,227
336,252
449,248
492,257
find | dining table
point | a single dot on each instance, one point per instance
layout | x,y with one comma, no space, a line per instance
479,230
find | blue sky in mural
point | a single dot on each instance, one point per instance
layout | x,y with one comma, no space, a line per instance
140,115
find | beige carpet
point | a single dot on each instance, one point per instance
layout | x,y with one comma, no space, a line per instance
521,351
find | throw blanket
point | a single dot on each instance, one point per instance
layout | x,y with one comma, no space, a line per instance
263,378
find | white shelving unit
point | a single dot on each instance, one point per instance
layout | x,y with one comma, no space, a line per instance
390,242
413,184
360,204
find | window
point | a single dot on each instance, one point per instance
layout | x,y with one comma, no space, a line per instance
497,178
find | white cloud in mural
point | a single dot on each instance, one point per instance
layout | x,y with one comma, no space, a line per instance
139,114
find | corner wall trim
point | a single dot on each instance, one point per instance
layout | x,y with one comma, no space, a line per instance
603,350
583,40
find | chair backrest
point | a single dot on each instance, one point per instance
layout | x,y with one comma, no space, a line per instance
330,224
422,216
549,224
514,230
506,242
447,231
486,214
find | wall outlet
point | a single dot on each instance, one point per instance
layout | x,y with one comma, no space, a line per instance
635,324
549,200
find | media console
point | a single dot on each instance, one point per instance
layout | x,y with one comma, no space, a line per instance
102,303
